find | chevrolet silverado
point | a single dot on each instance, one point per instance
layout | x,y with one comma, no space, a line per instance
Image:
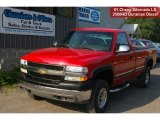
85,67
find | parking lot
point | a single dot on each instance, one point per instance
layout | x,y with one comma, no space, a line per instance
130,100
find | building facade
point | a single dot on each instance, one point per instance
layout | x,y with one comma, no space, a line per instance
25,29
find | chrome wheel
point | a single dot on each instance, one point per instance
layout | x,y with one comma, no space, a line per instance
102,98
99,97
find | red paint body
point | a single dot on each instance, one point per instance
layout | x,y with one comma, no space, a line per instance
93,59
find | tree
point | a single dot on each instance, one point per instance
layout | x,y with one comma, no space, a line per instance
150,28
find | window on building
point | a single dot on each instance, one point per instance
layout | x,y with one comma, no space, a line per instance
65,11
48,10
61,11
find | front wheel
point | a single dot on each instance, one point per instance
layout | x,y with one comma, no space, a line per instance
144,79
99,98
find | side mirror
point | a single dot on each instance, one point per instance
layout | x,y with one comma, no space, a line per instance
123,48
55,43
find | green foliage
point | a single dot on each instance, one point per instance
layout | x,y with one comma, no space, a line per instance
9,77
150,28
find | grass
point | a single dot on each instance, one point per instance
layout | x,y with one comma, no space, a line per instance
9,79
8,88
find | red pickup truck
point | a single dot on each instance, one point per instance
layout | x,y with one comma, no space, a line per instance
85,67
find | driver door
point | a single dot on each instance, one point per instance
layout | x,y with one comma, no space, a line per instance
124,62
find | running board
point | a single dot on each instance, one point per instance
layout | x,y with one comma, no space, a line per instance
119,89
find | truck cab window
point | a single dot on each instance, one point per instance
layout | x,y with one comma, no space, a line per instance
121,40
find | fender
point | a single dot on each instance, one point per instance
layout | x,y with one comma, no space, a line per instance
98,70
147,59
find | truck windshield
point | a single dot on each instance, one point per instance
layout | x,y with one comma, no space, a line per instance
88,40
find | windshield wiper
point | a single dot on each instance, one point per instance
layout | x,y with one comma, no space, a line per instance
64,45
84,47
69,46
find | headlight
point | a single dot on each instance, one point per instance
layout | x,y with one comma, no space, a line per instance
23,62
76,73
76,69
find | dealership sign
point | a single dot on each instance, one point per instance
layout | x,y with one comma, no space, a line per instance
15,21
89,14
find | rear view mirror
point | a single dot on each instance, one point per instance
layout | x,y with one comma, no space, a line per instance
123,48
55,43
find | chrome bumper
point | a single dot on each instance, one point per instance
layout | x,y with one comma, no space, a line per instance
73,96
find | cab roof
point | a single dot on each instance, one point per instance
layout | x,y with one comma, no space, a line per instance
98,29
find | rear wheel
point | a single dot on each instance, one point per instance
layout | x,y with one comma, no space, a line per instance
99,97
144,79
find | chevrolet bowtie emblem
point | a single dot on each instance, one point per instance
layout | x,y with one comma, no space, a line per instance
42,71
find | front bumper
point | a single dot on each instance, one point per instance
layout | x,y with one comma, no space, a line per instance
66,95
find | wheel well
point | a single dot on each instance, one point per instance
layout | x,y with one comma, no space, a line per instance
106,75
150,63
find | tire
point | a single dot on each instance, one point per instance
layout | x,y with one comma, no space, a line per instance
144,79
34,97
99,97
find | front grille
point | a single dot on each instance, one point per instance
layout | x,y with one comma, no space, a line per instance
48,78
51,67
40,81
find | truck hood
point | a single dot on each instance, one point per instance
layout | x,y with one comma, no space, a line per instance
66,56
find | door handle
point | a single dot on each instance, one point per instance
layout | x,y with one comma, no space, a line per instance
130,57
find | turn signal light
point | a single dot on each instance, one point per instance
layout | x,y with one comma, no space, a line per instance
83,78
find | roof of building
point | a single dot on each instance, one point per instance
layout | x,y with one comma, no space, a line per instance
131,28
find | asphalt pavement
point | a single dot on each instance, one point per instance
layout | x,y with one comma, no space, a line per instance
129,100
